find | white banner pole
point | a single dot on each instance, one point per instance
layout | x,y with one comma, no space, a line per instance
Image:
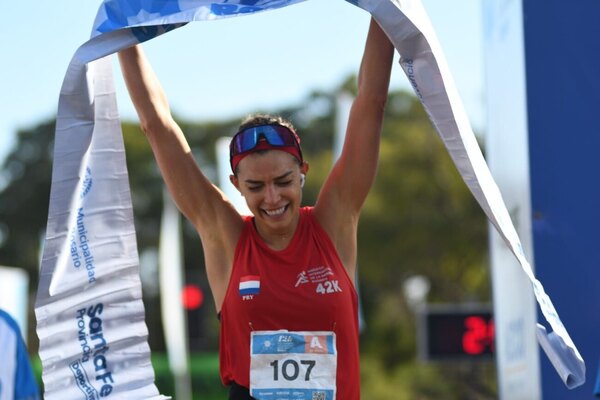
171,287
517,355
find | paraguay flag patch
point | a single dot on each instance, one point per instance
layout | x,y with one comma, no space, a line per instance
249,284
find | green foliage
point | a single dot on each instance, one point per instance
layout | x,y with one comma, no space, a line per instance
419,219
204,376
431,224
24,194
416,381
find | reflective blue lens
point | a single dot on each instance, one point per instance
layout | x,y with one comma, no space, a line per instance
276,135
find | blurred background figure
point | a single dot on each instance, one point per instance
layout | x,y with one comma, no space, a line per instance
17,381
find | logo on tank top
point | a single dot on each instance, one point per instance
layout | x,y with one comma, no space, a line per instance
321,278
249,286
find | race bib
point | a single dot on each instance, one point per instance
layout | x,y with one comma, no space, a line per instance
293,365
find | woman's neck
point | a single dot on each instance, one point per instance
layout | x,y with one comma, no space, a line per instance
278,239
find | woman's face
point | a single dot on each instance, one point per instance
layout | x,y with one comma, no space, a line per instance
270,183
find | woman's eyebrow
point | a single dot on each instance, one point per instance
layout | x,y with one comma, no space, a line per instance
284,175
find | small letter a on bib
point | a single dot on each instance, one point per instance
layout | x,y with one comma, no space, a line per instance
317,344
314,342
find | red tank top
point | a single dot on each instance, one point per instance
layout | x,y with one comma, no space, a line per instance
304,287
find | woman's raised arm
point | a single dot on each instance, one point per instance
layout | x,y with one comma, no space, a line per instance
346,188
197,198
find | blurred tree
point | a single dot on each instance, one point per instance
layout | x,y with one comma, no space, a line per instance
420,219
24,195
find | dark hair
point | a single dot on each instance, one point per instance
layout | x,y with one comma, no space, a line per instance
264,119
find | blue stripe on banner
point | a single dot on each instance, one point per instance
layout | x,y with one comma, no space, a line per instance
120,14
246,6
144,33
123,13
295,394
291,343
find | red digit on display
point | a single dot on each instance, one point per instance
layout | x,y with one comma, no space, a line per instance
476,335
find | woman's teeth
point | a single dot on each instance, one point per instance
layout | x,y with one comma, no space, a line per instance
275,212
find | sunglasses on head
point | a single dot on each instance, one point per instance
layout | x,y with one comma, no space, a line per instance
275,135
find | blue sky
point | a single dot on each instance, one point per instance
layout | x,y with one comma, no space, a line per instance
225,68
